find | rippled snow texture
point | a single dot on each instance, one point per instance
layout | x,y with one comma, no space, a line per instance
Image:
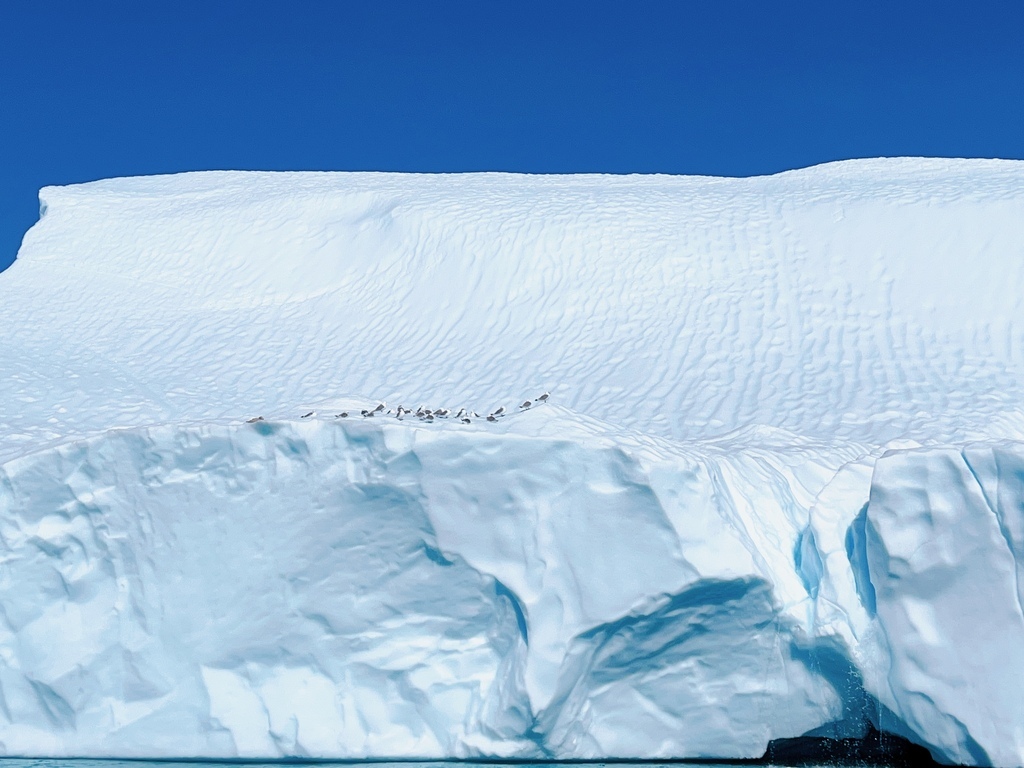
780,486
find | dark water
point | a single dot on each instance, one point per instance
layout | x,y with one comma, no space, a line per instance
99,763
878,749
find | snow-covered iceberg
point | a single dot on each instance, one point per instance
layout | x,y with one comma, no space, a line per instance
778,488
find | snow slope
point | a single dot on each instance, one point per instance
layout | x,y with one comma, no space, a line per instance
779,486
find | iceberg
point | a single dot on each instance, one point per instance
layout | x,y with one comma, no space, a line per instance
777,489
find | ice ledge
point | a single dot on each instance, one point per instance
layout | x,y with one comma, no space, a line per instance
335,589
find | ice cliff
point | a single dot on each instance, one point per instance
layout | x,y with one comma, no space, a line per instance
778,488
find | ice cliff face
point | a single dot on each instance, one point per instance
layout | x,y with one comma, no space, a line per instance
779,489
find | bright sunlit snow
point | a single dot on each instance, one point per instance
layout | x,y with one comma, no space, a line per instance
778,486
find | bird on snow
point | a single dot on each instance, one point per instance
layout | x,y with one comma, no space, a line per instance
254,420
442,412
311,413
364,413
380,407
526,405
491,418
460,413
499,411
544,397
342,415
466,421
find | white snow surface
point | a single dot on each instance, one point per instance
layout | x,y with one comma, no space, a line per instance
778,488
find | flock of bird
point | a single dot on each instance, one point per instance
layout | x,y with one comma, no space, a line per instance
427,414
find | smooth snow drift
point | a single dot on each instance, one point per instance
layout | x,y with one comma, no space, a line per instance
778,487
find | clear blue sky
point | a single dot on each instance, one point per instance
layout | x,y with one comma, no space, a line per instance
103,88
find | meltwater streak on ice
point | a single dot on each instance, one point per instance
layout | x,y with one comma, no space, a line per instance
697,548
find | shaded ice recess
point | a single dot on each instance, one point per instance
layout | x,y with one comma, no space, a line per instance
779,489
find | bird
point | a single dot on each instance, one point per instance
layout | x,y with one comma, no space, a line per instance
544,397
442,412
466,421
499,411
254,420
461,412
364,413
526,405
311,413
491,418
342,415
380,407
